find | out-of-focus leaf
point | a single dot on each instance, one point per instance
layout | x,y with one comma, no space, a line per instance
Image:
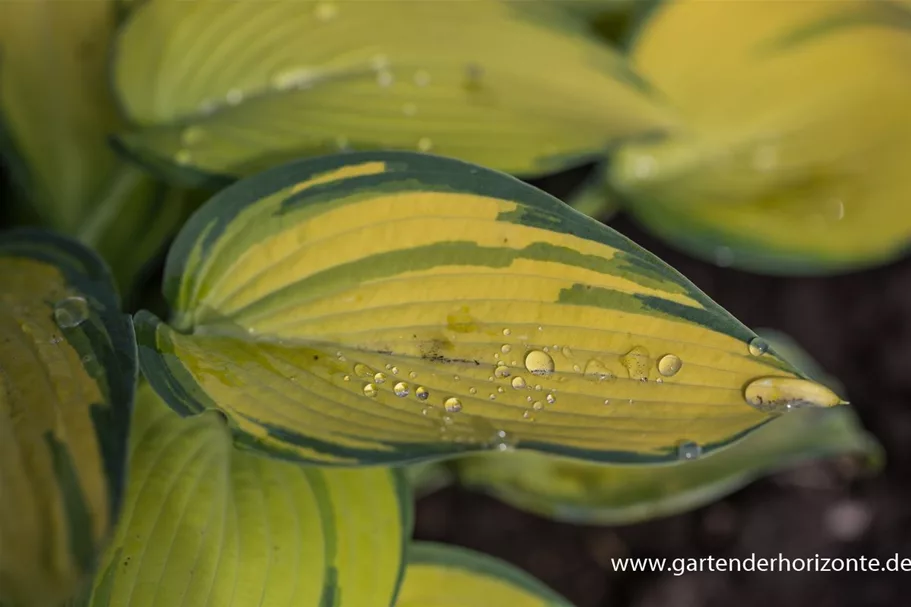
590,493
390,307
439,575
205,524
232,88
593,197
67,369
794,155
56,114
427,477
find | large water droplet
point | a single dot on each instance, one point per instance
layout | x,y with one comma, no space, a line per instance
422,393
452,404
781,394
669,364
539,362
362,370
758,346
370,390
71,312
636,363
379,378
518,383
688,450
400,389
595,370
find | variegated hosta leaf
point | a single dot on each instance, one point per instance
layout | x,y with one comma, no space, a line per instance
439,575
234,87
388,307
794,155
67,370
205,524
427,477
570,491
56,114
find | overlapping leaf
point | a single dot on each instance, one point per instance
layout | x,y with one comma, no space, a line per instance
797,131
205,524
67,369
57,114
230,88
439,575
387,307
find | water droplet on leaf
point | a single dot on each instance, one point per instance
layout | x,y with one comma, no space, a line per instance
669,364
782,394
758,346
71,312
518,383
400,389
370,390
422,393
688,450
452,404
539,362
636,363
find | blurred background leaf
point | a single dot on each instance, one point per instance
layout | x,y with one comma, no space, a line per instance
792,154
56,114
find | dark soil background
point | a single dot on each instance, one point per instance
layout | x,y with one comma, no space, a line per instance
858,327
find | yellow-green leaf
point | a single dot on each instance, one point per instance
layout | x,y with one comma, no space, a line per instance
57,114
388,307
427,477
231,88
439,575
67,369
793,155
205,524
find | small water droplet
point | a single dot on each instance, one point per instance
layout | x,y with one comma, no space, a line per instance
346,378
527,415
71,312
325,11
422,78
384,78
341,142
452,404
551,399
688,450
413,374
422,393
455,378
501,389
234,96
472,390
518,383
502,371
577,368
502,441
370,390
425,144
539,362
409,109
724,256
565,351
192,135
362,370
782,394
669,364
400,389
606,401
88,358
492,396
394,370
636,363
758,346
538,387
595,370
537,405
506,332
540,328
183,157
379,62
505,348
